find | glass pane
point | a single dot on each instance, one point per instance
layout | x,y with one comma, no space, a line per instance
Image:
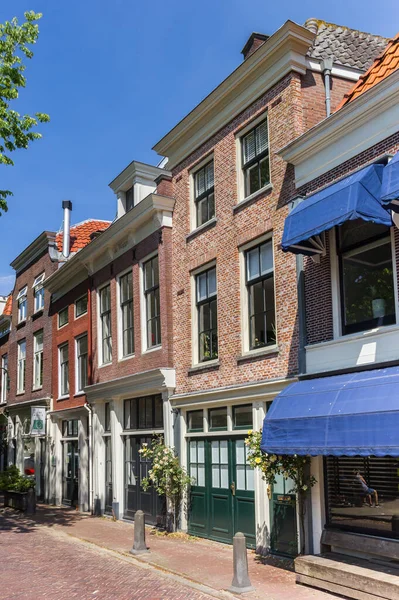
195,420
240,477
242,417
81,306
129,199
209,177
201,287
202,211
127,408
200,182
249,149
201,451
253,182
201,475
351,233
224,476
148,279
218,418
158,412
264,172
155,269
266,258
250,479
240,452
194,472
204,317
253,264
270,311
223,452
82,345
261,138
193,452
211,206
141,402
211,282
215,476
148,413
215,452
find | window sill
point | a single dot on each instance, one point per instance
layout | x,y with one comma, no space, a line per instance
21,324
254,354
80,316
124,358
78,394
37,314
204,227
21,393
107,364
37,389
63,398
153,349
205,366
252,198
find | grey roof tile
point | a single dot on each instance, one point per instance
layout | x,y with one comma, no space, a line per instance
349,47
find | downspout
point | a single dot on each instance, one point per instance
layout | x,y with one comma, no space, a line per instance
326,67
90,436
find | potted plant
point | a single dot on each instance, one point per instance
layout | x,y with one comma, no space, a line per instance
19,491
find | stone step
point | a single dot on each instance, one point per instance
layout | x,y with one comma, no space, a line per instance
351,577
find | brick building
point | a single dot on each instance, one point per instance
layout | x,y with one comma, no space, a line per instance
234,293
5,327
345,223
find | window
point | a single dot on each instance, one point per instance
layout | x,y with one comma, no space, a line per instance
38,360
105,322
21,366
63,370
22,304
81,358
107,420
63,317
151,294
4,378
204,193
5,329
81,306
129,199
70,428
260,286
38,293
366,273
217,419
195,420
144,413
197,461
126,313
255,158
242,417
206,300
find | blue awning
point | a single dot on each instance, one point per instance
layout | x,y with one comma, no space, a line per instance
355,197
390,184
352,414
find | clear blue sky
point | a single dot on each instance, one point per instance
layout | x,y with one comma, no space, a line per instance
115,76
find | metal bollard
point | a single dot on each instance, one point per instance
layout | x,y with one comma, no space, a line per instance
139,545
241,582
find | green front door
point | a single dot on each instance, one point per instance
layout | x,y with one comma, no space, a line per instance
222,497
283,534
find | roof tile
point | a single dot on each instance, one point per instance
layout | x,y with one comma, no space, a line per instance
8,306
81,234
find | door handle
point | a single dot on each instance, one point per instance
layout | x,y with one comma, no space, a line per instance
233,488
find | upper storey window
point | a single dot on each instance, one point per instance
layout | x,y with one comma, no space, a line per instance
38,292
255,158
22,304
204,193
152,302
366,276
206,301
105,324
129,194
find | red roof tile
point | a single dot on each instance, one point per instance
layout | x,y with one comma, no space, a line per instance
81,234
8,307
383,66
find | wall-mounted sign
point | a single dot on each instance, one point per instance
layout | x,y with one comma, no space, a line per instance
38,420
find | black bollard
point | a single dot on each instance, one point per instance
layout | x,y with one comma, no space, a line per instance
241,582
139,545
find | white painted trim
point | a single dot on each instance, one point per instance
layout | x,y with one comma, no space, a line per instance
193,213
264,116
314,64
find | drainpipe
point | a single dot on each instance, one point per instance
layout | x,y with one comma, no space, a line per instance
66,238
326,67
90,436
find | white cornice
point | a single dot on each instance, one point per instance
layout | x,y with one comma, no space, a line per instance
33,251
357,126
136,171
315,64
283,52
147,382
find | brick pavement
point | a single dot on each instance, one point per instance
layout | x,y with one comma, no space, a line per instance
197,561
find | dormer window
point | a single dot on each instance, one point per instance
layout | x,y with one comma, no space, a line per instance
38,292
129,199
22,304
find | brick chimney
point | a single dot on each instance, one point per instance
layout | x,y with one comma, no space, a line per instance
254,41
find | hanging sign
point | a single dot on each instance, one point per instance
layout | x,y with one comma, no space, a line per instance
38,420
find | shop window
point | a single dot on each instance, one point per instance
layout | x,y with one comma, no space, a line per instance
63,317
206,300
363,494
217,419
367,278
242,417
255,158
260,286
81,306
144,413
195,420
204,193
107,418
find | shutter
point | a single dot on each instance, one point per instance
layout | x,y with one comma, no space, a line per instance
261,138
249,146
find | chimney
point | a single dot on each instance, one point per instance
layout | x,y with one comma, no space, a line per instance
312,24
66,238
254,41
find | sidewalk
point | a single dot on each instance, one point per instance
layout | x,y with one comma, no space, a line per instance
201,561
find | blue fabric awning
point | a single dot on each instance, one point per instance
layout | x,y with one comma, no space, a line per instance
352,414
390,184
355,197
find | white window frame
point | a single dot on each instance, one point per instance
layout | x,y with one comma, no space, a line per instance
37,352
143,308
78,388
22,302
101,362
21,360
240,171
76,316
193,206
336,288
38,293
4,378
121,356
245,342
61,393
194,314
66,308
